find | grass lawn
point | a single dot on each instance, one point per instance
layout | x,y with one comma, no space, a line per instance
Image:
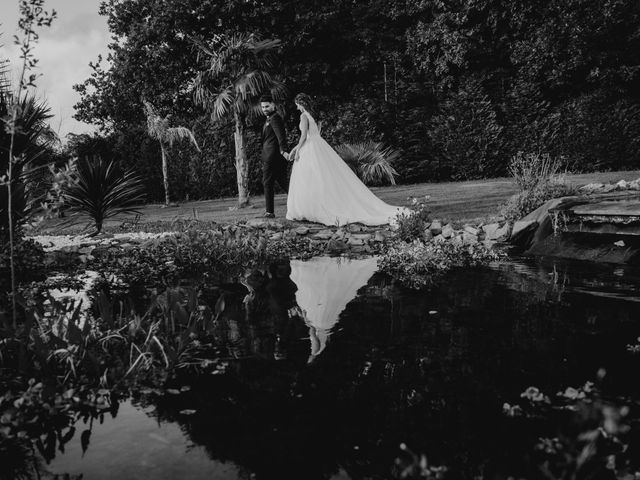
471,201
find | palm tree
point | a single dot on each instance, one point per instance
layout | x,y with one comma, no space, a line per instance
236,74
158,128
371,161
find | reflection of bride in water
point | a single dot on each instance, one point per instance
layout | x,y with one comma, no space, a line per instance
325,286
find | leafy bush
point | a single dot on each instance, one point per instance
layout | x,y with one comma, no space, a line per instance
411,225
525,202
32,144
102,190
537,176
532,169
419,264
371,161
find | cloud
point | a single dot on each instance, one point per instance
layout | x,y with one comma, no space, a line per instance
64,51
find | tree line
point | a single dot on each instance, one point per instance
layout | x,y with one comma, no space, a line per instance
455,87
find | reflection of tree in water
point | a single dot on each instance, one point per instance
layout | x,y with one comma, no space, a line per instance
428,368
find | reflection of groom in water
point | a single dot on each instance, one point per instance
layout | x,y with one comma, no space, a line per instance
274,145
270,329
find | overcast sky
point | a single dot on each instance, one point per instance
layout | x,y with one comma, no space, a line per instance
76,37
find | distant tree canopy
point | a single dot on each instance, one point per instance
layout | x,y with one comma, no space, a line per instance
456,86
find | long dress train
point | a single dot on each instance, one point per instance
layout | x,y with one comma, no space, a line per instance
324,189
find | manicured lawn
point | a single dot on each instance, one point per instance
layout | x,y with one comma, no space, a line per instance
458,201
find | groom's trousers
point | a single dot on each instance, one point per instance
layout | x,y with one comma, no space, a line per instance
274,169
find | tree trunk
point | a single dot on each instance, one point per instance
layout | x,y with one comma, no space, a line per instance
242,163
165,174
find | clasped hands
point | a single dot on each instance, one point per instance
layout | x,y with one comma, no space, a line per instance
292,156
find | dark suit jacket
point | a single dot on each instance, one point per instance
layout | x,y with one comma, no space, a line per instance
274,139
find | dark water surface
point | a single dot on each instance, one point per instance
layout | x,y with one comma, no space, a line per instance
332,367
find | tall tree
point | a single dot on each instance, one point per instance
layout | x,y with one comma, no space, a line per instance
236,74
158,128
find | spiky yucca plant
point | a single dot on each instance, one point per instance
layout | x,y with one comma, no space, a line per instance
101,190
158,128
371,161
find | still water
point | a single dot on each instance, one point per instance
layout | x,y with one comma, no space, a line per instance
332,366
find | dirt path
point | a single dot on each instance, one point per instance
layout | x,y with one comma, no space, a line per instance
459,201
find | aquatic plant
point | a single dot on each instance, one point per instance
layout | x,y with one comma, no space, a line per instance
419,264
592,436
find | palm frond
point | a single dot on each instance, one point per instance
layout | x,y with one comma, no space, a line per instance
103,191
370,160
174,134
222,103
156,125
252,84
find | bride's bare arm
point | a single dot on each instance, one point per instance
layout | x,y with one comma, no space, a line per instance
304,127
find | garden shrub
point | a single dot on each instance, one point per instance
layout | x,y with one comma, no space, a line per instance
537,177
411,225
419,264
525,202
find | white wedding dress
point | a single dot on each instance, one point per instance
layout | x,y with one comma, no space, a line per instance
325,286
324,189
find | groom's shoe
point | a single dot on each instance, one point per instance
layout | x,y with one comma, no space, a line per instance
269,215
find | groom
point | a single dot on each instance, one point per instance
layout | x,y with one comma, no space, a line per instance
274,144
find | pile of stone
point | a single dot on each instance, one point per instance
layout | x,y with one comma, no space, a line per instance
353,238
487,234
620,186
357,238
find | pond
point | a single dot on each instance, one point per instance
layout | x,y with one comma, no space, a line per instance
331,367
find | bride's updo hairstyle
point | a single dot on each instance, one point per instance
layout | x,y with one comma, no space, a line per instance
305,101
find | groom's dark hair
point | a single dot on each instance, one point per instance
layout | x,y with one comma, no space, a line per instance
266,98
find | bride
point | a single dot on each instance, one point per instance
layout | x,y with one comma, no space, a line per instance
323,188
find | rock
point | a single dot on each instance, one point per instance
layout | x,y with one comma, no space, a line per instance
353,228
591,187
447,231
259,223
469,238
427,236
302,230
365,237
439,239
502,233
622,185
471,230
355,242
435,228
457,240
635,185
490,230
488,243
336,246
608,188
379,237
619,243
320,237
